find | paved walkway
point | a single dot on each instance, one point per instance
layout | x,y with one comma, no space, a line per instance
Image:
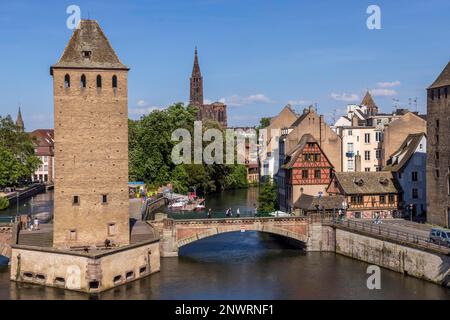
419,229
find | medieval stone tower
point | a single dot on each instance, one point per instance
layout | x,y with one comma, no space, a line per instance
438,150
216,111
91,142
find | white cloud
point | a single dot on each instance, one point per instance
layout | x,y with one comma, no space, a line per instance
388,84
383,92
143,107
347,97
238,101
299,102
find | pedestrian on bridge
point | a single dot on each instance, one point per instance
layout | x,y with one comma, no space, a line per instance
209,213
238,213
231,212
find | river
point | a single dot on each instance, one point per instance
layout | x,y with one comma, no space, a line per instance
247,265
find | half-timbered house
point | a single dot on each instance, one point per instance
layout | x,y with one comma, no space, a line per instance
367,194
307,170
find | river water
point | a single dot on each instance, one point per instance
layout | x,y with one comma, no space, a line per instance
247,265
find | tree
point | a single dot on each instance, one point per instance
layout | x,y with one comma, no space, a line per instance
263,123
150,150
267,198
17,159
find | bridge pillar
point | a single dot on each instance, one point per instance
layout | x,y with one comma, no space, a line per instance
320,237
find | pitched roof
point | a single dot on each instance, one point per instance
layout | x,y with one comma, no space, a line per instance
401,157
380,182
368,101
293,154
305,113
89,37
443,79
308,202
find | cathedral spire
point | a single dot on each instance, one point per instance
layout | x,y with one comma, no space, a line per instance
196,97
19,122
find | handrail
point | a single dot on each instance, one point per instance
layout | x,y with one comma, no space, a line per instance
390,233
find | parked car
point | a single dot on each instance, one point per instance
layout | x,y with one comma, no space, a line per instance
440,236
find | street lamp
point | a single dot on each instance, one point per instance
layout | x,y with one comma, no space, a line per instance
411,207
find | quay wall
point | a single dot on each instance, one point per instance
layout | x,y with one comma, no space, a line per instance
78,271
421,264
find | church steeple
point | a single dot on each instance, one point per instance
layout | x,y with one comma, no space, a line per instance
19,122
372,108
196,96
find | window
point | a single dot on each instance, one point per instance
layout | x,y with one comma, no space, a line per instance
437,173
111,229
350,132
446,93
391,198
414,176
304,174
437,123
378,153
378,168
73,235
76,200
367,155
317,174
117,279
350,166
46,167
350,147
104,198
415,193
129,275
142,270
86,54
367,169
378,121
378,136
356,199
382,199
432,94
367,138
99,81
66,81
83,81
114,81
317,157
437,138
437,155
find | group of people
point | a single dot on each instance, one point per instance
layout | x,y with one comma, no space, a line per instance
27,223
228,213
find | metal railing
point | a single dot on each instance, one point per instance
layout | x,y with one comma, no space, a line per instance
385,232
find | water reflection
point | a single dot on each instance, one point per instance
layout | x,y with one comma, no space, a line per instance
249,265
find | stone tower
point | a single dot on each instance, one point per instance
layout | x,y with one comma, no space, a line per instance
91,142
19,122
196,97
438,150
372,108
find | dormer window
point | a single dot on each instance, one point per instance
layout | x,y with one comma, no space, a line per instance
86,54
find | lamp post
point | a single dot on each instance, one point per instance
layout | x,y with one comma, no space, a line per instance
411,207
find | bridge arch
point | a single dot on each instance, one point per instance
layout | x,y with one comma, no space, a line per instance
185,232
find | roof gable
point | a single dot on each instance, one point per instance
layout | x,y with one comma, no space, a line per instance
381,182
443,79
88,38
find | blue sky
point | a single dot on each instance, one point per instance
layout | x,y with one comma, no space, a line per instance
256,55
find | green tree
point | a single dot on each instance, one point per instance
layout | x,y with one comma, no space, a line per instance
17,159
151,149
264,122
267,197
4,203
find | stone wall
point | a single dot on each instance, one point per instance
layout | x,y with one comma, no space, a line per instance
5,241
91,153
78,271
425,265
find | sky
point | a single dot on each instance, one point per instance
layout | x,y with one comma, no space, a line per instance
255,55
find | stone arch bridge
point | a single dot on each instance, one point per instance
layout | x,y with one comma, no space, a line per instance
178,233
